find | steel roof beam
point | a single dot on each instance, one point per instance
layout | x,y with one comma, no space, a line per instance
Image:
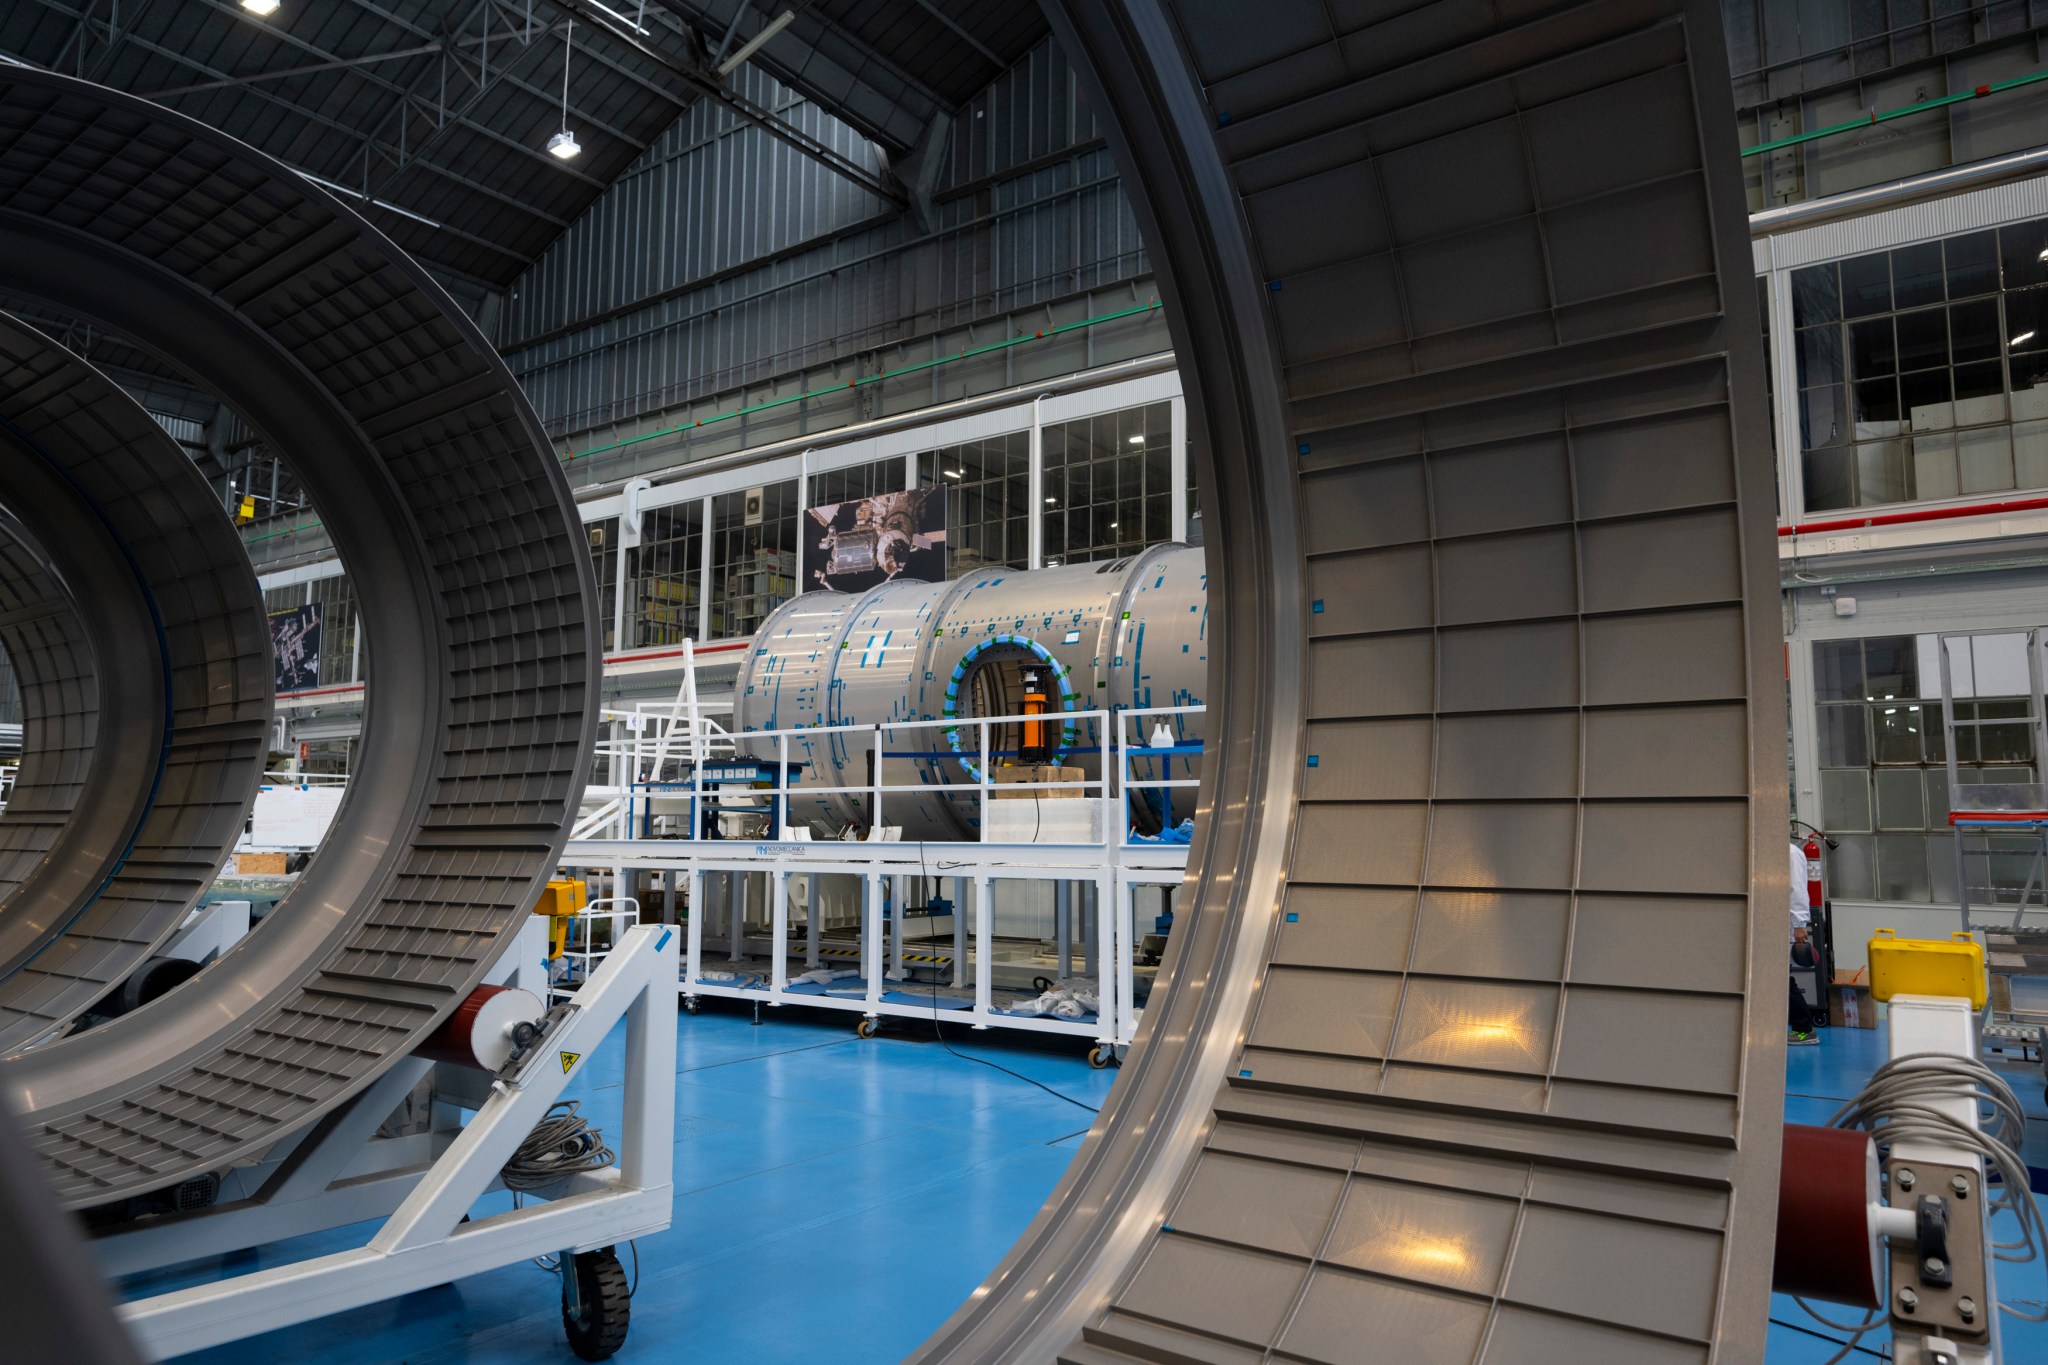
787,133
850,60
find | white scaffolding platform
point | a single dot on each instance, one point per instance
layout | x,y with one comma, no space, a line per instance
719,877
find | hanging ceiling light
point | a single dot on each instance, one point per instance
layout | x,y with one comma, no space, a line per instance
563,145
262,9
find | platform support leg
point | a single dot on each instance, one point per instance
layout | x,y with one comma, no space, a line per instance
984,957
959,932
778,929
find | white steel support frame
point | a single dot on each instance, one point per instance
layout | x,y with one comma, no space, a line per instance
1103,872
1948,1026
424,1242
878,864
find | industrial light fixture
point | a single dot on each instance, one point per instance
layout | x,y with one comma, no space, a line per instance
563,145
2023,336
1138,440
1051,500
756,43
262,9
952,473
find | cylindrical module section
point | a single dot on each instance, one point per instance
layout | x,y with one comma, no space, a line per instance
1103,636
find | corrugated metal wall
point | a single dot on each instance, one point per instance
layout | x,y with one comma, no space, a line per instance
1814,64
653,299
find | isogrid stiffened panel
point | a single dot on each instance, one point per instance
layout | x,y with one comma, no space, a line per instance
1491,271
430,472
117,469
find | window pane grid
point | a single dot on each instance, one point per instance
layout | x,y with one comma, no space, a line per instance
662,593
753,556
1108,484
1923,371
988,492
1883,757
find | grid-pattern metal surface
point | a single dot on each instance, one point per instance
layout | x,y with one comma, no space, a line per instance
202,644
460,538
1458,1060
59,680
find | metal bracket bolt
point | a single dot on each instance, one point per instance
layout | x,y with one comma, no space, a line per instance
1934,1265
1967,1308
1960,1186
1904,1178
1908,1300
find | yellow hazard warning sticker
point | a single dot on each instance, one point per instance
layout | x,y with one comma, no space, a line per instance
570,1059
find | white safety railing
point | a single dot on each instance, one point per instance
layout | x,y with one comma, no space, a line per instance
584,948
1161,741
781,791
291,779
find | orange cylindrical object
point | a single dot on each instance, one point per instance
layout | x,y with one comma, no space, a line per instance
455,1041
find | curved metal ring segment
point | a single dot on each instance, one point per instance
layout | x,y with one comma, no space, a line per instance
149,685
448,509
1468,1050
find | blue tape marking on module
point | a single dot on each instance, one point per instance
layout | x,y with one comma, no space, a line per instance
1293,917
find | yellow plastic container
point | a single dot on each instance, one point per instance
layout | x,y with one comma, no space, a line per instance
560,899
1927,966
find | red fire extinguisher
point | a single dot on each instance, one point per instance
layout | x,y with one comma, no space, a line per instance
1811,848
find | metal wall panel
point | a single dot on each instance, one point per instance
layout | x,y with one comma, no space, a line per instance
672,287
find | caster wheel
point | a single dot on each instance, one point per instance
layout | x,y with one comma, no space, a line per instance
1042,984
691,1005
1101,1056
598,1330
867,1028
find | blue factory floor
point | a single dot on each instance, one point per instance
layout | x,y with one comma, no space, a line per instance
837,1199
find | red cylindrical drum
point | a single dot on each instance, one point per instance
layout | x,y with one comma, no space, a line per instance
1827,1187
479,1033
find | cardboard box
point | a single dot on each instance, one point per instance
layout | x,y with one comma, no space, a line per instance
1040,773
1849,1000
260,864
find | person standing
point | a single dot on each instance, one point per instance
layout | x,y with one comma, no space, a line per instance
1799,1020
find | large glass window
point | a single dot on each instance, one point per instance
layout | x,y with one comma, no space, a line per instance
604,558
857,481
1923,371
988,495
337,602
663,591
753,556
1883,764
1108,484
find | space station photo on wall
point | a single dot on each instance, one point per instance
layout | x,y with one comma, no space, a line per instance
862,543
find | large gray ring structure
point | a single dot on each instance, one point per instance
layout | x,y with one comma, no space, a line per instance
445,503
154,716
1468,1050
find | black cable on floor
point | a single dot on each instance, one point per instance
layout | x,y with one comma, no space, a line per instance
940,1034
1832,1341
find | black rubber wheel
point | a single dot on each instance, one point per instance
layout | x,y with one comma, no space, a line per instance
600,1330
867,1028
